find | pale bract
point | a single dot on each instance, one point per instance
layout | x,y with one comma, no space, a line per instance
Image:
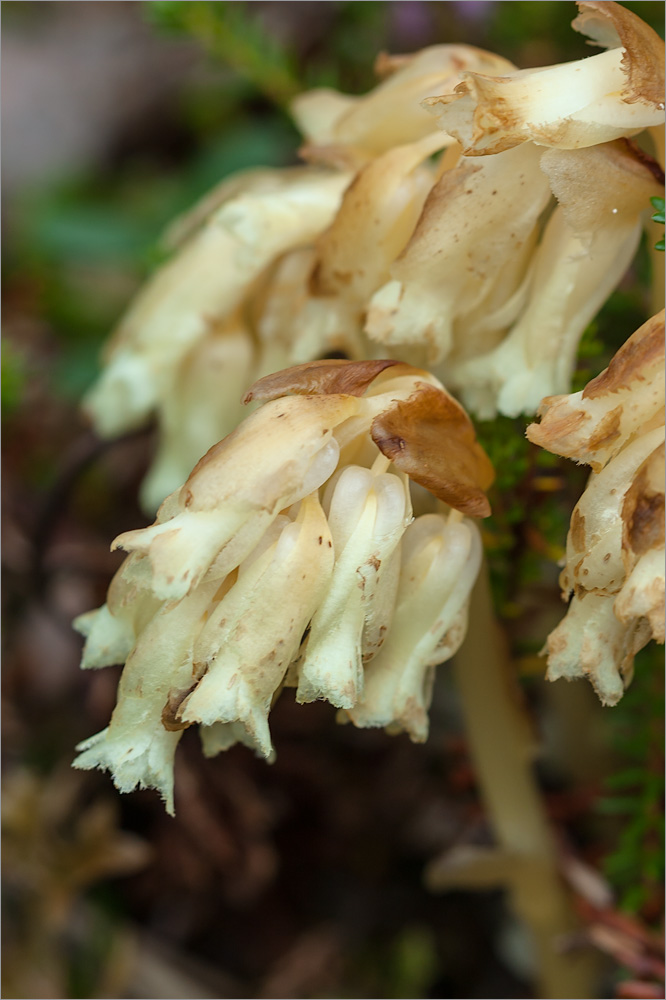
474,239
586,247
614,569
291,556
179,317
569,106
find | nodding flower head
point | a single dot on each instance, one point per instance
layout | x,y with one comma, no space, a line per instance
614,568
291,556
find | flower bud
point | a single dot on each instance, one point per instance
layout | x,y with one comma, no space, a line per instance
368,516
440,561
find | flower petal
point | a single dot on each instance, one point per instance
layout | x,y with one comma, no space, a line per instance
368,515
430,438
477,218
568,106
255,631
441,559
591,426
136,747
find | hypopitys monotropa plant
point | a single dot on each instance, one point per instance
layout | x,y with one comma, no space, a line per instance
463,216
291,556
614,569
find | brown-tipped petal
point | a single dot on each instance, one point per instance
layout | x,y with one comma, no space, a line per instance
593,425
569,105
643,508
390,114
431,439
635,359
611,25
328,377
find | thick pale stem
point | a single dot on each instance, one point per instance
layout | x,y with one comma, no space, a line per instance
501,749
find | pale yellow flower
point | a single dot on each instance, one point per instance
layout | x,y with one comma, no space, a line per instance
588,243
615,548
616,93
261,216
318,298
368,513
280,561
349,129
202,402
474,239
441,557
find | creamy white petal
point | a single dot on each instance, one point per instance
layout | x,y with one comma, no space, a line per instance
256,630
205,281
440,561
568,106
591,642
477,218
368,515
136,747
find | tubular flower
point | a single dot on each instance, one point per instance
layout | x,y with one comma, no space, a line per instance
474,238
615,547
246,292
291,556
616,93
167,330
390,240
322,294
587,245
351,129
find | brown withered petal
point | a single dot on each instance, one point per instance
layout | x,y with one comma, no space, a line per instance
327,377
610,24
593,425
638,355
431,439
643,507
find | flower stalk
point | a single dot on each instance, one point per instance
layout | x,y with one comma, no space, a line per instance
501,748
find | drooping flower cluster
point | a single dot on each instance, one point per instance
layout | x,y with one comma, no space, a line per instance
615,548
463,216
291,556
446,234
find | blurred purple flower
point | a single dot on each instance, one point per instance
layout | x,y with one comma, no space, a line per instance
412,22
474,10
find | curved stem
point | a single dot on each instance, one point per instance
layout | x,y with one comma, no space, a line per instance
501,749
